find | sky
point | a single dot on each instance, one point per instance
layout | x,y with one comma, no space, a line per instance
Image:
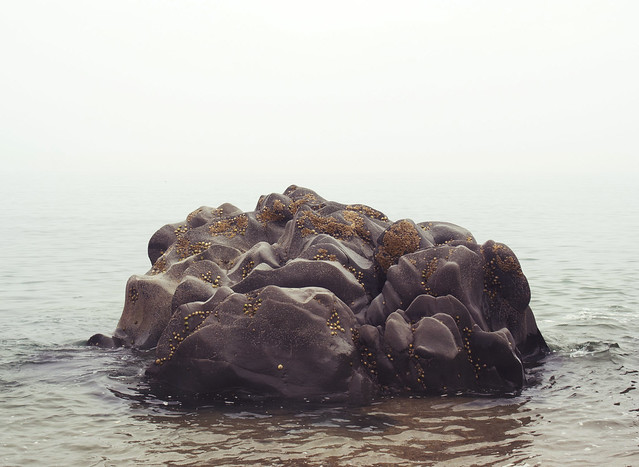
359,87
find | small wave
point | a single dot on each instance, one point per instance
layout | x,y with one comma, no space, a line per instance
592,348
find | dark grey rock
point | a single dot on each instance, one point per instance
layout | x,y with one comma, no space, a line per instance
310,299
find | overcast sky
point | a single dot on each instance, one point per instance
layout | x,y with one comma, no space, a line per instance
204,85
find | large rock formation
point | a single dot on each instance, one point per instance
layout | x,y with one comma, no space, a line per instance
306,298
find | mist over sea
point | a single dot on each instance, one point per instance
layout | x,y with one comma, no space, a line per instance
70,242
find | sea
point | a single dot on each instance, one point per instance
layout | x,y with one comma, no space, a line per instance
70,240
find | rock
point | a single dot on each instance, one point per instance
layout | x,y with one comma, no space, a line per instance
310,299
270,342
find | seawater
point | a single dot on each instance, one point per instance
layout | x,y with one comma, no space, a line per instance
69,243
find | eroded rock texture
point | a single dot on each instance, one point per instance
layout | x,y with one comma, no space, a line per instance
306,298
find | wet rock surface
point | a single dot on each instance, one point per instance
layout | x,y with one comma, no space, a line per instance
310,299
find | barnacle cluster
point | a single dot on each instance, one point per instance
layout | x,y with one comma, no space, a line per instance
208,277
230,227
323,255
427,272
252,305
399,239
333,323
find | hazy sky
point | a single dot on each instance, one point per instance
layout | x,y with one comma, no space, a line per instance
186,86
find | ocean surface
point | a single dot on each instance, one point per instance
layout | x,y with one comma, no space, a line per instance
70,242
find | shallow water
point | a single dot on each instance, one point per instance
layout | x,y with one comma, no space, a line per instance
69,245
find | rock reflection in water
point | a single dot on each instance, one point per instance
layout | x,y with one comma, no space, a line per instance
398,431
